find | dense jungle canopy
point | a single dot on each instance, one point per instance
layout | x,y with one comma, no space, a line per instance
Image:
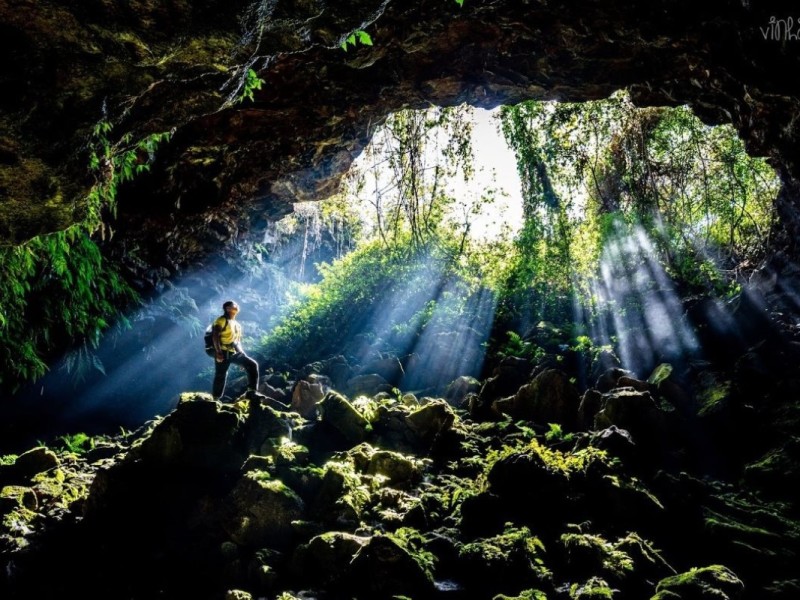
574,377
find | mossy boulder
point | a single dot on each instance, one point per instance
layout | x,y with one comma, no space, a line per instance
34,461
548,483
505,562
636,412
260,511
339,413
460,388
630,564
341,496
398,470
325,559
199,433
268,429
715,582
549,398
428,422
17,496
383,568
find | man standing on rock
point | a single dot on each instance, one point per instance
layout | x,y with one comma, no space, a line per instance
227,339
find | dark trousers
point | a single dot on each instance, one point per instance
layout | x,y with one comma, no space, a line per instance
221,371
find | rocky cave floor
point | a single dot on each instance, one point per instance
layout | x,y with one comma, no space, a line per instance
653,488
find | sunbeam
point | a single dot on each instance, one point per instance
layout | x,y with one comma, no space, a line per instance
453,343
647,316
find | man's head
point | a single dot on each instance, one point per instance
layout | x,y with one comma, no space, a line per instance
230,307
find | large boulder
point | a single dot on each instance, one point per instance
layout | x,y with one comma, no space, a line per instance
384,568
506,379
460,388
325,560
199,434
339,413
305,398
368,385
27,465
34,461
396,469
260,511
428,422
634,411
549,398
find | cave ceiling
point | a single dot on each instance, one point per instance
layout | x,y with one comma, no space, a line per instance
230,167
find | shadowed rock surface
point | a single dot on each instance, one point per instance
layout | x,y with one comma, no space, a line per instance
232,166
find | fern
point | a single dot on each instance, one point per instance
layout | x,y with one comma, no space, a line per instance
76,292
77,443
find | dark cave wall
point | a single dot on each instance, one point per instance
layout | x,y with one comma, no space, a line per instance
230,168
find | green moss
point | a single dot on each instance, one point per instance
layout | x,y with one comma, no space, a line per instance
712,398
567,463
725,526
13,497
367,408
608,555
594,588
8,459
17,523
412,542
515,552
715,581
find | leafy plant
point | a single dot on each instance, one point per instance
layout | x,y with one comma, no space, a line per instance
76,292
252,83
515,347
77,443
358,36
113,164
556,434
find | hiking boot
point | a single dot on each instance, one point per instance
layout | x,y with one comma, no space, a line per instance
254,395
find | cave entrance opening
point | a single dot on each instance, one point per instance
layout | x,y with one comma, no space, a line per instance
600,224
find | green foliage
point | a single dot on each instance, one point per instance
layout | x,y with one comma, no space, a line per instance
516,347
660,373
567,463
592,172
358,36
357,293
555,433
113,164
8,459
515,548
414,543
592,589
609,557
404,183
252,83
57,289
77,443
